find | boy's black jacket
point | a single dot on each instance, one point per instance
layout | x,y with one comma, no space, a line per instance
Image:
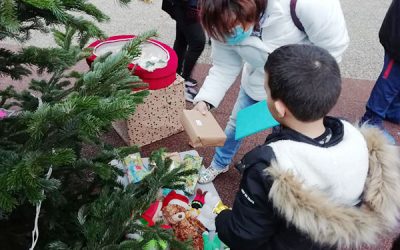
389,34
267,213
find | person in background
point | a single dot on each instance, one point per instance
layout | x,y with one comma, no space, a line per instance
244,33
189,39
396,243
317,183
384,101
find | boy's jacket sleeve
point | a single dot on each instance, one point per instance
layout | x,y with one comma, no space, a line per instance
251,222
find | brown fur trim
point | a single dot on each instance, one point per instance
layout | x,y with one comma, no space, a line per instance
382,192
316,215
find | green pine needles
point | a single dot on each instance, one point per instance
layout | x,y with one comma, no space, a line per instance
55,119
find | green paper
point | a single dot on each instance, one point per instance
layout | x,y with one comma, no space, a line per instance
254,119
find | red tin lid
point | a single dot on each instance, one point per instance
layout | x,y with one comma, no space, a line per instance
158,76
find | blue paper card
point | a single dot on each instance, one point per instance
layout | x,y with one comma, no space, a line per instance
254,119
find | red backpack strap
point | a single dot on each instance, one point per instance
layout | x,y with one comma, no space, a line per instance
295,19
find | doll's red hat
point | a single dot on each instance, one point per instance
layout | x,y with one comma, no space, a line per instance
148,215
177,199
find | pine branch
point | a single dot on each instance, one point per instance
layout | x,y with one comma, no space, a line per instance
87,8
19,17
51,60
11,65
26,173
8,16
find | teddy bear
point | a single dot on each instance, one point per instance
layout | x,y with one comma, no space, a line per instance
175,207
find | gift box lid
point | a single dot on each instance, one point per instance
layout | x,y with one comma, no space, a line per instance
156,65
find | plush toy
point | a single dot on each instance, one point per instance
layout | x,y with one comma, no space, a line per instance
153,214
197,203
198,200
175,207
185,227
207,215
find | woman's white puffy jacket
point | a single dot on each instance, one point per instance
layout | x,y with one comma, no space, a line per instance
324,26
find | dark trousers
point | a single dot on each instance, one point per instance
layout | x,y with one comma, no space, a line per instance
396,243
385,96
189,42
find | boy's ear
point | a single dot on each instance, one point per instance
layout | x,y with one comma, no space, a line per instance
280,108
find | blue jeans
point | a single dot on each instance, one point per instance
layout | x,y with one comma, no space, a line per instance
385,96
223,155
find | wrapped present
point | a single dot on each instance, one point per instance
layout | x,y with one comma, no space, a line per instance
136,170
158,116
203,130
191,159
191,162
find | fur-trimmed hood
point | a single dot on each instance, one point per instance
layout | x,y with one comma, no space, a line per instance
313,213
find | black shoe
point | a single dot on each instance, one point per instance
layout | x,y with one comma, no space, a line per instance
190,94
190,82
191,91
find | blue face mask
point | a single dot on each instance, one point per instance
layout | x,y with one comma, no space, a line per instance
238,35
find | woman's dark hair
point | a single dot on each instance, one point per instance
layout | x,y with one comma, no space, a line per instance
219,17
306,78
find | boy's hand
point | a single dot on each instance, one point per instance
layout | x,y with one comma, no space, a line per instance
201,107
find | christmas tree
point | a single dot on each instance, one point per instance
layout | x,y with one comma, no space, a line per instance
45,175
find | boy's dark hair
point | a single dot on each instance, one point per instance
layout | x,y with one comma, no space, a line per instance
305,78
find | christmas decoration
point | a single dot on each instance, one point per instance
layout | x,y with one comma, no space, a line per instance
198,200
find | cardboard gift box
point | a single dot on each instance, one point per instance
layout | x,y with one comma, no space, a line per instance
203,130
155,119
158,117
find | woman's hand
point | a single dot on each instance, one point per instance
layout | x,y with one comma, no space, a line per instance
201,107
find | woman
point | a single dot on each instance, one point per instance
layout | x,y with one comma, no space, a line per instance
244,33
189,39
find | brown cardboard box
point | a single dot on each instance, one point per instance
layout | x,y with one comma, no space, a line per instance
158,117
203,130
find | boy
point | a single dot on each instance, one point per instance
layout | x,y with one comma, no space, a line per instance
317,183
